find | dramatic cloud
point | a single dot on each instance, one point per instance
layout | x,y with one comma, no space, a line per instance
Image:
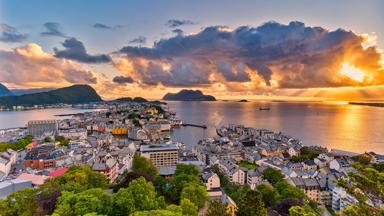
53,29
10,34
270,56
75,50
122,79
178,31
138,40
30,66
173,23
101,26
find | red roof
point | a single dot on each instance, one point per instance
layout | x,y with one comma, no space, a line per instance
58,172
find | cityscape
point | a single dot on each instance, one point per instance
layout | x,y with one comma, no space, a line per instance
247,108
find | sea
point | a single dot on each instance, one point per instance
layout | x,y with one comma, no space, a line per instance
337,125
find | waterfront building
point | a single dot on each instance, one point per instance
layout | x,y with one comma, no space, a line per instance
161,154
42,128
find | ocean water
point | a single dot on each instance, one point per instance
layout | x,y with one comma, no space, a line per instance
329,124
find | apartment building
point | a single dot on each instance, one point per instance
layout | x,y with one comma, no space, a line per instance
42,128
161,155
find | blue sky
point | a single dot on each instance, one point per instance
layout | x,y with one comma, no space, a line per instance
81,53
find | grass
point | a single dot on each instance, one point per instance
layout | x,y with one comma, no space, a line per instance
247,164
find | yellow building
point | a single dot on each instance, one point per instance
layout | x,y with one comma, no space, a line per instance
119,131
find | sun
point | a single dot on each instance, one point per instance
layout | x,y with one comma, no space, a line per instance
352,72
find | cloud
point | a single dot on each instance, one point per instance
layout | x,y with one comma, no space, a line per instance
75,50
11,35
174,23
30,66
101,26
138,40
122,79
53,30
178,31
247,58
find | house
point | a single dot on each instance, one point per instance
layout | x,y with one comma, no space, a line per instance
233,171
309,165
339,163
7,159
254,178
43,157
341,199
109,167
212,182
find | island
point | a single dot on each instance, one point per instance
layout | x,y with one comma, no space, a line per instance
188,95
243,100
67,95
376,104
129,99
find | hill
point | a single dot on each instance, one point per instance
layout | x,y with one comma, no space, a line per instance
4,91
188,95
128,99
68,95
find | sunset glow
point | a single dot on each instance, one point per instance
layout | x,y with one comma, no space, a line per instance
352,72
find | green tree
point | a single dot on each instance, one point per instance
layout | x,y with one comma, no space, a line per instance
143,165
251,204
269,194
301,211
188,169
195,193
188,207
289,191
22,202
123,202
48,139
272,175
157,213
177,184
90,201
216,208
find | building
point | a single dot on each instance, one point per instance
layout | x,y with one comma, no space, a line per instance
161,154
109,167
211,180
43,157
10,186
7,159
43,128
341,199
74,134
233,171
254,178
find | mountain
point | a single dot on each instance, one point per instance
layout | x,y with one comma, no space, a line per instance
128,99
4,91
17,92
188,95
68,95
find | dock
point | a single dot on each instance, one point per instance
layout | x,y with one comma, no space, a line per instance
194,125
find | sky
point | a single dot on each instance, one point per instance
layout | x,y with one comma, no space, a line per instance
329,49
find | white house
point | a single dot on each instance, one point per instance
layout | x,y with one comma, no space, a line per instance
7,158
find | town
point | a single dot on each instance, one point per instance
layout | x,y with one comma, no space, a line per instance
231,166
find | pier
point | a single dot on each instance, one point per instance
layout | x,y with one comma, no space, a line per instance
194,125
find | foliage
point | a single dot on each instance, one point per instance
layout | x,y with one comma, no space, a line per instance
363,159
216,208
269,194
22,202
157,213
48,139
251,204
136,122
301,211
188,207
196,193
130,177
272,175
92,200
284,205
247,164
18,145
143,165
378,166
133,115
47,201
188,169
78,179
62,141
361,209
306,153
286,190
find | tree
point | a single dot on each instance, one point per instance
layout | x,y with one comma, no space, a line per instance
157,213
269,194
251,204
284,205
177,184
301,211
47,139
195,193
188,169
289,191
123,202
216,208
188,207
130,177
272,175
22,202
90,201
143,165
144,195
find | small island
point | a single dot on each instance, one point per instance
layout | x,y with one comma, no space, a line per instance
243,101
188,95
